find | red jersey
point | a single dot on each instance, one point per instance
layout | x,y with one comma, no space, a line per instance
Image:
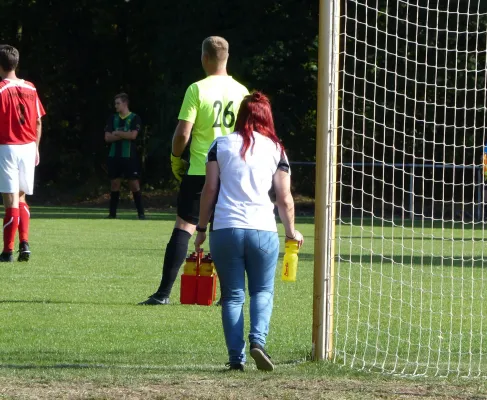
20,108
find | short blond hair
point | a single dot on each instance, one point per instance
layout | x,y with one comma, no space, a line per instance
216,47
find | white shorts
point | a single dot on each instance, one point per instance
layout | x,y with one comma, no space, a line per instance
17,166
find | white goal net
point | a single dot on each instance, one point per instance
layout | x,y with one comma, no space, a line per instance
410,292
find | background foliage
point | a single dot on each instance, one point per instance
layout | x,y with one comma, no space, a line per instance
80,54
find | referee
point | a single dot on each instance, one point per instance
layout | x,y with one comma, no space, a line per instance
208,111
121,131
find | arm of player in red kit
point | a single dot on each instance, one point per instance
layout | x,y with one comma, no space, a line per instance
40,113
38,140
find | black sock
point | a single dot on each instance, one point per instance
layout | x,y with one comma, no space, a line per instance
176,251
114,197
138,202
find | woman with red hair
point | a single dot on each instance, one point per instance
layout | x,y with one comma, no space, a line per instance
241,168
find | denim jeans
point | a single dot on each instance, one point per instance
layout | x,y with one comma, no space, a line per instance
236,251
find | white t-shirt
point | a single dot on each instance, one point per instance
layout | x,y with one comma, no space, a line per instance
243,199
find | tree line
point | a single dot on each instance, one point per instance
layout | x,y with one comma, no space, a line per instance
80,54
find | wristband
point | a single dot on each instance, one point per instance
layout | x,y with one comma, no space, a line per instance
200,229
292,238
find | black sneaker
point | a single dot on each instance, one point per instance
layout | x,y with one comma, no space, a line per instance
261,358
6,256
235,367
141,217
155,300
24,252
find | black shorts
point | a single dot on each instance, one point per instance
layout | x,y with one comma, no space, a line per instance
123,167
189,198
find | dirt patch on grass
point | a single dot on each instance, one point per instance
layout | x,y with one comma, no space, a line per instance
229,387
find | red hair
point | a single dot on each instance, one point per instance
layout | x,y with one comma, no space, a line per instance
255,114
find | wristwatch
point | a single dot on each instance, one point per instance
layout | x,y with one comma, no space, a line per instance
200,229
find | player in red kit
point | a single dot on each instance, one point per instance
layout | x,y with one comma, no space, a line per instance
20,132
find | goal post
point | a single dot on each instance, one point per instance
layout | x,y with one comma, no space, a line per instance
326,169
400,262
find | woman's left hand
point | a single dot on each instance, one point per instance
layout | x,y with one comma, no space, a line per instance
200,239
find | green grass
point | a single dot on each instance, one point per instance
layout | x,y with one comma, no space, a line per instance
411,299
69,316
75,301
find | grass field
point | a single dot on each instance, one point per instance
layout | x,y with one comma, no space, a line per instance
411,299
70,327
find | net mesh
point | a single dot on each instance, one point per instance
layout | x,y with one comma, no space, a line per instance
410,285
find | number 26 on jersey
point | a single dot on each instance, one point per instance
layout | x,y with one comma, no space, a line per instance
224,114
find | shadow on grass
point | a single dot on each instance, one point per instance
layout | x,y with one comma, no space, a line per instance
85,214
424,261
416,238
93,303
167,368
38,212
408,223
55,366
384,259
302,257
188,368
124,249
303,220
62,302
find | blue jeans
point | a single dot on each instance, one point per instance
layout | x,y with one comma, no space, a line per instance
236,251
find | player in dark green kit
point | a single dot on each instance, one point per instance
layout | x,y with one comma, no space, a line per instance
121,131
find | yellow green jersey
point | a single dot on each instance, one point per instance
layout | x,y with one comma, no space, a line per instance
211,105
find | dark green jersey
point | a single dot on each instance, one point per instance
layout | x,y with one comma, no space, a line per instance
123,148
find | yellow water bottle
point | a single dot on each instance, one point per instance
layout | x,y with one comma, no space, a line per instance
190,267
290,262
206,267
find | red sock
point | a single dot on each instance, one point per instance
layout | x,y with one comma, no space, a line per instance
24,214
10,225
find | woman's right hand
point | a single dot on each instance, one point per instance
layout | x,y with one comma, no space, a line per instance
200,239
298,237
